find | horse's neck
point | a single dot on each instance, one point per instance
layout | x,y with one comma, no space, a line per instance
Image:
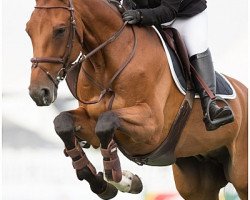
100,23
99,18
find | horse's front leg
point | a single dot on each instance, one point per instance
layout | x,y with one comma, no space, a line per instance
138,123
67,124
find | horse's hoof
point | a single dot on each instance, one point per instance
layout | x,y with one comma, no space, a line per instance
130,183
136,185
109,193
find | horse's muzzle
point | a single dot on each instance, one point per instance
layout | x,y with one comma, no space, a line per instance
42,96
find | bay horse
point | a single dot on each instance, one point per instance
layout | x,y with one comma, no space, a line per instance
127,98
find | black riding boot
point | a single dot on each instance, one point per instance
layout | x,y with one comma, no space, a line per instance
214,116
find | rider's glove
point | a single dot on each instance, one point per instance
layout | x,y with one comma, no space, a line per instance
132,16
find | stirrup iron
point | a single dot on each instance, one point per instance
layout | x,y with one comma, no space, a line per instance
216,123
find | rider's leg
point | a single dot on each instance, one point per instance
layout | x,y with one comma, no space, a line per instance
194,33
204,66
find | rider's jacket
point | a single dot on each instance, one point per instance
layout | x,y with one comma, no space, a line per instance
155,12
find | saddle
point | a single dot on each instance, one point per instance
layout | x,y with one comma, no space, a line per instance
179,58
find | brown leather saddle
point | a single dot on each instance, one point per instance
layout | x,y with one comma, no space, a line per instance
224,88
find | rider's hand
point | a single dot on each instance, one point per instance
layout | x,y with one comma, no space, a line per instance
132,16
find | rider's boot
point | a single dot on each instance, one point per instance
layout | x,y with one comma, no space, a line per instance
214,116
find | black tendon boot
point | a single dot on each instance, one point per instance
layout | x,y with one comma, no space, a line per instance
214,116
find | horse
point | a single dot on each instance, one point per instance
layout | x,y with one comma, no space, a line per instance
127,100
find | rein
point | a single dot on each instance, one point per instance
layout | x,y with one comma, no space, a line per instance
108,89
67,66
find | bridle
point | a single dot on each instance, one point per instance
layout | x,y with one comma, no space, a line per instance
64,61
67,66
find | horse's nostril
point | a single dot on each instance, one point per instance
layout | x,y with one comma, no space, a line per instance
42,96
45,96
45,92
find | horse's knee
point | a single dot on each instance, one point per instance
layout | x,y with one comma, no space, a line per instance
63,124
107,123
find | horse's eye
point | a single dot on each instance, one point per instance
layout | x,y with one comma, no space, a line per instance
59,32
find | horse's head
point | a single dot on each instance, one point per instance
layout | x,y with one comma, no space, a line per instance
56,44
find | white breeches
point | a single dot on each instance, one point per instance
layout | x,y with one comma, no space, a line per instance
194,32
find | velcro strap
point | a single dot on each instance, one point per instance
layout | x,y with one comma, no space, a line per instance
79,164
73,153
112,164
108,153
111,151
82,162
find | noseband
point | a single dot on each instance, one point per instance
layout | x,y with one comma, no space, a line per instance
64,61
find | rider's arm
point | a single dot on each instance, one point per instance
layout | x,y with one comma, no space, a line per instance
163,13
